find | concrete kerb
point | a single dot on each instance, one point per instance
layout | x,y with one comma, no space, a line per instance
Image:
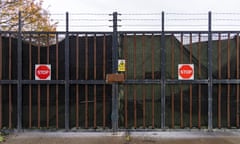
167,134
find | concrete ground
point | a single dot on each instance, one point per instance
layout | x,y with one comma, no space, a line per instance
163,137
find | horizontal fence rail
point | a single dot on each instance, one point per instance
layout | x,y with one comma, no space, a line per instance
76,94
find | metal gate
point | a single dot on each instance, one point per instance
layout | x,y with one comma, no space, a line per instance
76,96
151,96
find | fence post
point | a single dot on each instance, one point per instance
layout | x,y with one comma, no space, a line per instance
163,84
114,115
19,84
67,74
210,83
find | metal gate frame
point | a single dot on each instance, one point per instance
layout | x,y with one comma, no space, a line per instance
163,81
115,87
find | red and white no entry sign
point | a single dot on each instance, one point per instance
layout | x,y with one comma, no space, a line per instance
42,72
185,71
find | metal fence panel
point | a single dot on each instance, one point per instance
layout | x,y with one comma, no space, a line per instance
150,97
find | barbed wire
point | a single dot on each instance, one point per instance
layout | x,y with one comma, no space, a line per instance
134,19
89,19
225,13
89,25
189,14
61,14
145,21
187,19
140,14
92,14
226,19
138,25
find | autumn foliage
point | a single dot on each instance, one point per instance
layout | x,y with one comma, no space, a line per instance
33,18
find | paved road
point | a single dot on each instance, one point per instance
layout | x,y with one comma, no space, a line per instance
187,137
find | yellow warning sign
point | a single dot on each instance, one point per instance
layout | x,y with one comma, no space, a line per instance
121,65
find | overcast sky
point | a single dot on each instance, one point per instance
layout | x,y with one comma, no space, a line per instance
125,6
147,6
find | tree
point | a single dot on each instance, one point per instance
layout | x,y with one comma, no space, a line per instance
33,18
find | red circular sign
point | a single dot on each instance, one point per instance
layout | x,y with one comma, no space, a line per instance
42,72
186,71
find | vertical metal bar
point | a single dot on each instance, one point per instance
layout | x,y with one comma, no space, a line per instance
48,93
199,86
237,77
86,106
190,47
172,109
228,57
163,67
39,87
1,65
153,106
77,78
219,77
86,78
143,86
10,86
67,75
181,107
57,87
172,77
126,107
153,77
104,105
19,85
190,87
104,77
172,56
134,77
181,48
30,78
94,86
114,70
228,106
144,107
125,49
181,88
135,105
39,105
228,85
199,105
210,83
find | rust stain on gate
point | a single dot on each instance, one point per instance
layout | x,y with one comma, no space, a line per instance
219,85
57,87
10,86
77,86
237,93
237,76
199,76
86,77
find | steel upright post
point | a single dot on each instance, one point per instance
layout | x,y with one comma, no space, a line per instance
163,84
114,70
19,84
67,74
210,81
